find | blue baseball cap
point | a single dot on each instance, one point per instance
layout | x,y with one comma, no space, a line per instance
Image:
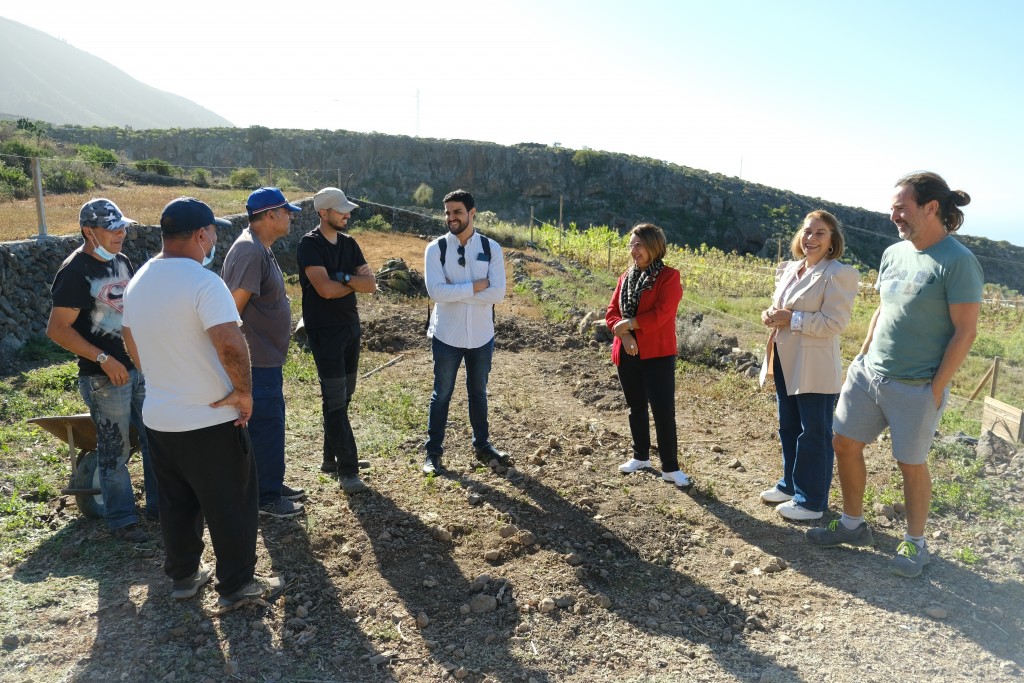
267,198
188,213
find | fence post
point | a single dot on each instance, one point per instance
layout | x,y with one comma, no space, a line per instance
560,226
531,224
37,181
609,253
995,376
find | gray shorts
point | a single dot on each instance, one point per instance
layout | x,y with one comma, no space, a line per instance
869,403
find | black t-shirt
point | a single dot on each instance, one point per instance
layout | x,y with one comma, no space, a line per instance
346,257
96,288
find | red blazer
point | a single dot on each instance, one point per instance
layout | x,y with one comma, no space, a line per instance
655,316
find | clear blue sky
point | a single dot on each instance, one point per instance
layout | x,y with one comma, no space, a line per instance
827,99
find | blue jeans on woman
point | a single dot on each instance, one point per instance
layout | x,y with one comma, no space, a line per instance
114,410
805,429
447,360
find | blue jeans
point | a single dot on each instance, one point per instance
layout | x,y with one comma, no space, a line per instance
805,429
266,430
114,411
447,360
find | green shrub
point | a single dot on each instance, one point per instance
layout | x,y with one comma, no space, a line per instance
201,177
158,166
18,147
68,175
245,178
423,196
104,158
14,184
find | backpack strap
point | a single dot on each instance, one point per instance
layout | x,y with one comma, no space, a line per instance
442,244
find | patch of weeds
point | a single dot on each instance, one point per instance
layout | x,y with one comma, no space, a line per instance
41,348
59,378
430,482
954,421
34,487
385,632
967,555
959,486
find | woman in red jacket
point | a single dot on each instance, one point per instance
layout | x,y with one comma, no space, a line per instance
642,316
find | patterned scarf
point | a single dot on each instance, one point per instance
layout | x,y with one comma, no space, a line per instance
637,282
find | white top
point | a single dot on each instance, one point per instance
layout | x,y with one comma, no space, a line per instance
169,305
461,318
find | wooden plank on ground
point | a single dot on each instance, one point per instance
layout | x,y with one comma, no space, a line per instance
1004,420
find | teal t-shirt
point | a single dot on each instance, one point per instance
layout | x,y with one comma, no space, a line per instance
916,288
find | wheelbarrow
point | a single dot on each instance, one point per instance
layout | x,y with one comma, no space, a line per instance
79,433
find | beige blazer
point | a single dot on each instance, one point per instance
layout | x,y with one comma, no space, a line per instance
809,357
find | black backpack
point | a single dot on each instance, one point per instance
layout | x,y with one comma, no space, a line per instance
442,244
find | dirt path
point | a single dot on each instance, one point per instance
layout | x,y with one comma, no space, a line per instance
559,569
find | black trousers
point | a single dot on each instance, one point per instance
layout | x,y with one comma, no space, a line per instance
336,354
651,382
209,473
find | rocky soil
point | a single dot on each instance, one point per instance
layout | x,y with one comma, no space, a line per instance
557,569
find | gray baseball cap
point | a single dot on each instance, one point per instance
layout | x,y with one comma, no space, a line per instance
103,213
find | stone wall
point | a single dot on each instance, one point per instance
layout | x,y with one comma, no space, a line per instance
27,267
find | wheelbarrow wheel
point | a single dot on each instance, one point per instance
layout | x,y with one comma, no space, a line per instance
87,476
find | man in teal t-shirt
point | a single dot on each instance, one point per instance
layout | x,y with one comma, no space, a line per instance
930,287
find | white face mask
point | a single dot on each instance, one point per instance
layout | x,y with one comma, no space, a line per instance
102,253
208,258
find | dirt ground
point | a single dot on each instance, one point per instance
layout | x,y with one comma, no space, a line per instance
558,569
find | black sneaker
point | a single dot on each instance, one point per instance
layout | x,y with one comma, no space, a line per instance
131,533
183,589
292,494
264,589
432,464
352,484
489,453
282,507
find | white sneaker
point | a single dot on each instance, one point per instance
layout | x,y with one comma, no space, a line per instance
794,511
632,465
677,478
774,495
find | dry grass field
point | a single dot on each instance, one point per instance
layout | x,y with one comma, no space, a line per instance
140,202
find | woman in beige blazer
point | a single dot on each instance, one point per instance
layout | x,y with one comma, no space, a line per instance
810,308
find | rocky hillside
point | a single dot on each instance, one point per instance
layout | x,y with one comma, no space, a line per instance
595,187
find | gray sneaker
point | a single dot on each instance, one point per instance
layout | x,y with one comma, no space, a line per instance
352,484
909,560
264,589
183,589
282,507
837,534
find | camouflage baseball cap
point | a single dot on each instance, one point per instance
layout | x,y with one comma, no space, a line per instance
103,213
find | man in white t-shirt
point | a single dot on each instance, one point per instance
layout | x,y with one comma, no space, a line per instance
181,328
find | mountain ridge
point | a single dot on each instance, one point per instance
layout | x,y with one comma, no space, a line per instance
47,79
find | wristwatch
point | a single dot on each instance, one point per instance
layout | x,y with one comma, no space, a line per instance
345,280
102,358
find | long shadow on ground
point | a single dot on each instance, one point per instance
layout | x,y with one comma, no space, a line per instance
987,612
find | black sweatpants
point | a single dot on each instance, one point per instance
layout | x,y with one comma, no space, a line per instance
651,382
209,473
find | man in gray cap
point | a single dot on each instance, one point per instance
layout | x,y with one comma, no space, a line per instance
181,327
257,285
86,320
331,270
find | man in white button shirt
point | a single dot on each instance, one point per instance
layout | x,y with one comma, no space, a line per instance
465,274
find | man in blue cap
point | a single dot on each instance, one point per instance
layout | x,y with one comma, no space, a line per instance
86,320
182,328
257,285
